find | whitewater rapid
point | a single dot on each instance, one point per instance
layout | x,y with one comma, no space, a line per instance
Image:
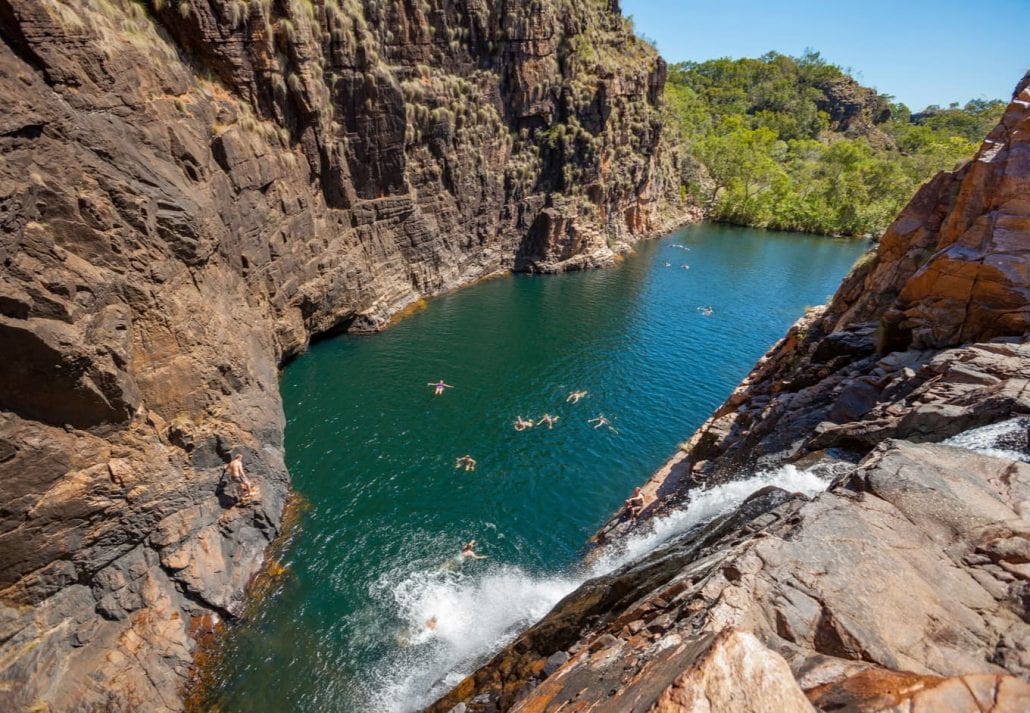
1006,439
473,611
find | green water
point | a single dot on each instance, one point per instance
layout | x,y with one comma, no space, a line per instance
372,450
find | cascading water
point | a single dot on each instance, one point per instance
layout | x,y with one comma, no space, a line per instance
476,611
1005,439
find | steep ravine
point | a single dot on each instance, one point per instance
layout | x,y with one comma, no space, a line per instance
905,586
189,191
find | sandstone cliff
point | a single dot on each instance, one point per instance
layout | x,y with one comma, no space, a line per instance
189,190
905,586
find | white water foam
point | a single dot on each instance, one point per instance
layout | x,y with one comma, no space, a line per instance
476,613
1006,439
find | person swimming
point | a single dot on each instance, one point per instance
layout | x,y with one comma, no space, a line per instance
466,460
706,311
439,387
602,421
548,419
575,396
468,550
685,266
521,424
668,264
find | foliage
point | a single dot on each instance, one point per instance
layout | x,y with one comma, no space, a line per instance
771,157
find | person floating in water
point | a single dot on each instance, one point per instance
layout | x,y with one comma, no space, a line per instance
668,264
431,623
468,550
439,386
235,470
602,421
548,419
575,396
521,424
706,311
685,266
466,460
635,503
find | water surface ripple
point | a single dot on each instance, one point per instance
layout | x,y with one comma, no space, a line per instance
372,451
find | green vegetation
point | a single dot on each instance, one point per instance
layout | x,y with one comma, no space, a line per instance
796,144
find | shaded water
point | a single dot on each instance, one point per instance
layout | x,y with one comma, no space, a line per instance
373,452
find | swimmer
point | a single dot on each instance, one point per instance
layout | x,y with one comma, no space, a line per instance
439,386
685,266
548,419
706,311
521,424
431,623
468,550
668,264
602,421
575,396
466,460
635,503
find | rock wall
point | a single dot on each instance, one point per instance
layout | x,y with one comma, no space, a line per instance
905,586
191,189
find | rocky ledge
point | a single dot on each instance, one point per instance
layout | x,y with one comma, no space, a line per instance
905,586
189,191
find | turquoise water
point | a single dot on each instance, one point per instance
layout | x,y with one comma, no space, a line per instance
372,450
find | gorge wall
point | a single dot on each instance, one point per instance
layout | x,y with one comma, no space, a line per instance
905,586
189,191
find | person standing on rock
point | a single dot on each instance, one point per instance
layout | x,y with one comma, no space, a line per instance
236,473
439,386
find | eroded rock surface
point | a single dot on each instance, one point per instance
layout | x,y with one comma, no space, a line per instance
188,192
906,585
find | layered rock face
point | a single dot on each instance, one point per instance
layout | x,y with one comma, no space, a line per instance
188,191
905,586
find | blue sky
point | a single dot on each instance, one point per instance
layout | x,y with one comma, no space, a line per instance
920,51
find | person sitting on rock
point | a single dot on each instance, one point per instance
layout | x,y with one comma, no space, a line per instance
521,424
548,419
236,474
575,396
439,386
635,503
468,550
466,460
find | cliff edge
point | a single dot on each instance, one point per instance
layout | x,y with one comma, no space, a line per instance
189,191
905,586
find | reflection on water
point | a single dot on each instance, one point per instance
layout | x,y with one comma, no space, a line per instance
375,613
